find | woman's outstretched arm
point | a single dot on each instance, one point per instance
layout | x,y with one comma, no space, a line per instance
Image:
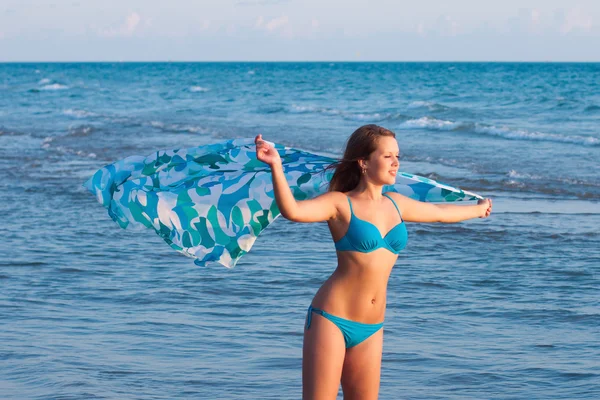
417,211
321,208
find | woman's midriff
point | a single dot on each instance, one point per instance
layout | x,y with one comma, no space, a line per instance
357,288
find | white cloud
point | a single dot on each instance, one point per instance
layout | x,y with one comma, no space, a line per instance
259,22
445,26
231,29
126,29
536,23
277,23
576,20
132,22
280,25
535,16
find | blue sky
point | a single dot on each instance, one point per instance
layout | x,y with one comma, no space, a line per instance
292,30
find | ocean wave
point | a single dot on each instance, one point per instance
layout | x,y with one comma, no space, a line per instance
430,105
129,122
350,116
79,113
9,132
44,81
491,130
198,89
524,183
592,108
560,180
274,109
48,144
179,127
80,131
511,181
54,86
565,103
521,134
431,123
519,175
367,117
311,109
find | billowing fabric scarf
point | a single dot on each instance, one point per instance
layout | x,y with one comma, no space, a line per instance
211,202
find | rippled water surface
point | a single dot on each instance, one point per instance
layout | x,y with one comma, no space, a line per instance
504,308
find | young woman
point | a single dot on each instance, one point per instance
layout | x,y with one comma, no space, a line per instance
343,336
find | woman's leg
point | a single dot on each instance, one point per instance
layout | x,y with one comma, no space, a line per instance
362,369
322,359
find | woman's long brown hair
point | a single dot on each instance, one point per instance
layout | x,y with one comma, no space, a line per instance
359,146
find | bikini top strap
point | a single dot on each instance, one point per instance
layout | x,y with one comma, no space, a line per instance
395,205
349,202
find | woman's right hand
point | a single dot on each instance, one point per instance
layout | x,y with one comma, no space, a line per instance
265,152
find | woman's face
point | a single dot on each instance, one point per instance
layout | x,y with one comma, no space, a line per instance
383,163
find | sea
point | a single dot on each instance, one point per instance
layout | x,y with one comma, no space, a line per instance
506,307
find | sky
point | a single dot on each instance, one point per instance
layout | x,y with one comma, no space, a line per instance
299,30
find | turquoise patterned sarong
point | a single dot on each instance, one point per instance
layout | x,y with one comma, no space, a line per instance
211,202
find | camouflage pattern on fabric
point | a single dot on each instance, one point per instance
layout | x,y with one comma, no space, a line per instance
211,202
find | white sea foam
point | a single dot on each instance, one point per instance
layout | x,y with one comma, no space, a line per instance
44,81
351,116
179,128
516,178
302,109
54,86
82,130
504,132
311,109
430,123
189,128
198,89
46,144
365,117
78,113
417,104
520,175
522,134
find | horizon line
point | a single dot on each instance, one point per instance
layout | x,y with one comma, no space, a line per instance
299,61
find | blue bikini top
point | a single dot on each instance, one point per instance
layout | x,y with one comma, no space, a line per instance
364,237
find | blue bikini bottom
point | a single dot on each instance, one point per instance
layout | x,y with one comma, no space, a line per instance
354,332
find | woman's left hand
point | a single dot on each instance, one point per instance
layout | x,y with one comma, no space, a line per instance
486,207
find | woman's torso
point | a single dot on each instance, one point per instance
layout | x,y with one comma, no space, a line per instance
357,288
